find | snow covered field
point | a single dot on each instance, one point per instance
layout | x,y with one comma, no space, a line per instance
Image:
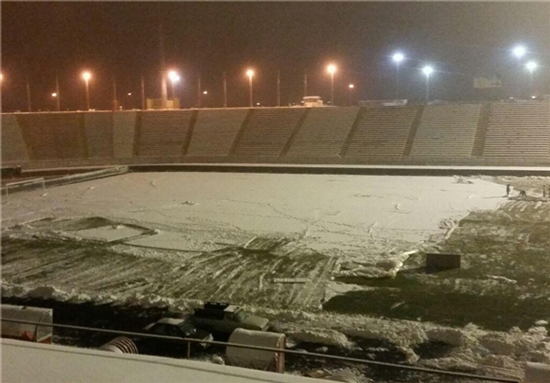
174,238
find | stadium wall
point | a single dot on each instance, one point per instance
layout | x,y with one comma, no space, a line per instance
506,134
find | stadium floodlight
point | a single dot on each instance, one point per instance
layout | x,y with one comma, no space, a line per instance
54,95
250,74
350,87
1,77
331,69
397,58
205,92
531,66
519,51
427,70
86,75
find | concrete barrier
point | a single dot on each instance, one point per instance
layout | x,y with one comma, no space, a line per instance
537,373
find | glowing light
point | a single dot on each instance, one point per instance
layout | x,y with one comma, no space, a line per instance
1,77
129,93
205,92
54,95
519,51
351,86
331,69
531,65
173,76
250,73
398,57
427,70
86,76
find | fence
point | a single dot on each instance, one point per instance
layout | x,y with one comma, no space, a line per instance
277,350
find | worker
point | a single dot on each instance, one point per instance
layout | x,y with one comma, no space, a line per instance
508,190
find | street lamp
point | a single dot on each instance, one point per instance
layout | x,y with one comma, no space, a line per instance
174,78
54,95
427,70
531,66
331,68
87,76
519,51
250,74
397,58
350,87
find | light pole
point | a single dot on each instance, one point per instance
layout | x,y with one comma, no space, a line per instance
427,70
174,78
350,87
87,76
54,96
57,97
397,58
531,66
250,74
205,93
331,69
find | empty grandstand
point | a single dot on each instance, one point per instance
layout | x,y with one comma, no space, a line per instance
484,134
163,133
323,132
54,136
519,130
215,131
382,132
446,131
267,131
99,134
14,150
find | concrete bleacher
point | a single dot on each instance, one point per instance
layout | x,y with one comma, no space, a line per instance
215,131
446,131
124,127
163,133
518,130
53,136
382,132
267,131
323,132
14,150
99,134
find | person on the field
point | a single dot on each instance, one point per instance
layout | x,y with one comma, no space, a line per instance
522,193
508,190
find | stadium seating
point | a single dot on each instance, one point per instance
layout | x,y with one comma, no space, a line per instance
382,132
163,133
267,131
215,131
53,136
323,132
124,126
446,131
518,130
99,134
14,150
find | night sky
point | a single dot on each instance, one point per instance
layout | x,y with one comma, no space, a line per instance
460,40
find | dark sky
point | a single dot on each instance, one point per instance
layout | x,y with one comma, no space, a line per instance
460,39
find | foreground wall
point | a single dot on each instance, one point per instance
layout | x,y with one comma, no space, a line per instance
450,134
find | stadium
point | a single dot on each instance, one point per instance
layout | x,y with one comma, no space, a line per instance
161,208
278,192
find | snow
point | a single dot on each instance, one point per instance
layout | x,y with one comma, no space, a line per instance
350,213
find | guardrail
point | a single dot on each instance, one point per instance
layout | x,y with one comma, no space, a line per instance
277,350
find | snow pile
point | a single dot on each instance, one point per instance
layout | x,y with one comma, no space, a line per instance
451,336
319,336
